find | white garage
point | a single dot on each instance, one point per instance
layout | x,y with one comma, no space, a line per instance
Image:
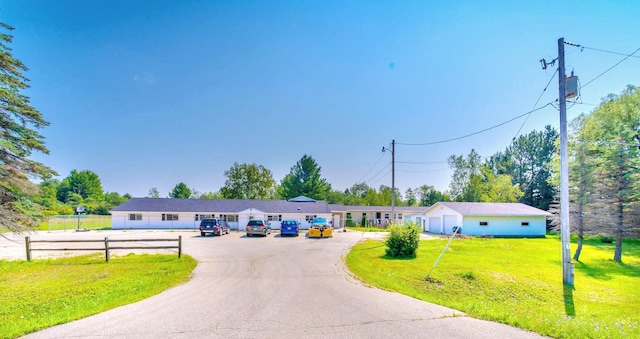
492,219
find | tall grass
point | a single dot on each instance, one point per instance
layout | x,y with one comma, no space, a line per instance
517,282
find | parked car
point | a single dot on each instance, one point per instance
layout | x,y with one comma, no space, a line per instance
456,229
213,226
289,227
259,227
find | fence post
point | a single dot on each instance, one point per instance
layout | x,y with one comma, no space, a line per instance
180,246
106,248
27,241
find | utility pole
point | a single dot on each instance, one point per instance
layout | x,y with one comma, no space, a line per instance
393,179
567,265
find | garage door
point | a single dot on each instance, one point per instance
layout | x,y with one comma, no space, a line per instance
434,225
449,222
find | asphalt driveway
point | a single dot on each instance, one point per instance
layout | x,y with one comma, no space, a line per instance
269,287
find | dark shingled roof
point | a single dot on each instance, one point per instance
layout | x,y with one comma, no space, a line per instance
220,205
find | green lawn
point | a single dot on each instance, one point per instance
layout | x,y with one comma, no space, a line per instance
71,222
517,282
43,293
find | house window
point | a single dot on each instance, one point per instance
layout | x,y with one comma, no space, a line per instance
386,215
169,217
309,218
229,217
484,223
274,218
348,215
525,223
399,216
135,217
203,216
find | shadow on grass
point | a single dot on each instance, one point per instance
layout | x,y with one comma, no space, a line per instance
569,308
605,269
388,257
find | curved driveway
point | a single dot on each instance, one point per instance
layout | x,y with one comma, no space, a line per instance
272,288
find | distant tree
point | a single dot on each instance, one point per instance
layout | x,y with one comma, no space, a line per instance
411,197
335,197
612,133
153,193
498,188
463,169
180,191
84,183
428,195
248,181
527,161
19,138
207,195
355,195
113,199
304,179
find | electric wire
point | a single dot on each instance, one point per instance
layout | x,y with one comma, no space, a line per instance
474,133
378,173
372,167
610,68
534,105
598,49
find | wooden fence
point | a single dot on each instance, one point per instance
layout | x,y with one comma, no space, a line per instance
107,245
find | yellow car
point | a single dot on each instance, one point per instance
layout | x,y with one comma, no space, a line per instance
320,228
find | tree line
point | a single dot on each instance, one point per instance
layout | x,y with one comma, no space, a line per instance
604,152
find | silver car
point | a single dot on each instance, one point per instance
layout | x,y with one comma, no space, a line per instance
258,227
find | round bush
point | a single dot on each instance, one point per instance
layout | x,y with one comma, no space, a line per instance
403,241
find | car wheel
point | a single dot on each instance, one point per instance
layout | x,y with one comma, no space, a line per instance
202,234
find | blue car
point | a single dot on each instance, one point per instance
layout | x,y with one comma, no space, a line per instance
289,227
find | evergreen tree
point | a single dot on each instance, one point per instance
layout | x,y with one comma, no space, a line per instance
19,138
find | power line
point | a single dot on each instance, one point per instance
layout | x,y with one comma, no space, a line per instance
421,162
597,49
474,133
372,167
534,105
373,177
610,68
429,171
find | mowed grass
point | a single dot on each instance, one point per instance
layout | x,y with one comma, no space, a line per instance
43,293
517,282
70,222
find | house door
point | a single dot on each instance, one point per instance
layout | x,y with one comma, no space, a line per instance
434,225
449,222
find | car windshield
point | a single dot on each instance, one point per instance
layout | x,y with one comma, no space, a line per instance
256,222
208,222
319,220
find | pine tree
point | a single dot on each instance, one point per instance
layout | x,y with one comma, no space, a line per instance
19,138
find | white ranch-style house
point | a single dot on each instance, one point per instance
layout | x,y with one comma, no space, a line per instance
475,218
491,219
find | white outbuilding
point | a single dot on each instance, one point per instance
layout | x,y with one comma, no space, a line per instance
484,218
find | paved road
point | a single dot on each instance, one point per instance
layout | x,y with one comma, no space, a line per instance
269,288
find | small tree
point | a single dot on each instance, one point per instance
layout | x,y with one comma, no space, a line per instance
403,241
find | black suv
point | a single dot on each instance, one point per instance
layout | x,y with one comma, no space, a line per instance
213,226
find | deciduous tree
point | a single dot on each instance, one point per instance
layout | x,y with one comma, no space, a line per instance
248,181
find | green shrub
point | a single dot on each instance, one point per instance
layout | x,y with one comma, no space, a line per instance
403,241
606,239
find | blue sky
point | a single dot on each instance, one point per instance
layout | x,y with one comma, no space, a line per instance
153,93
